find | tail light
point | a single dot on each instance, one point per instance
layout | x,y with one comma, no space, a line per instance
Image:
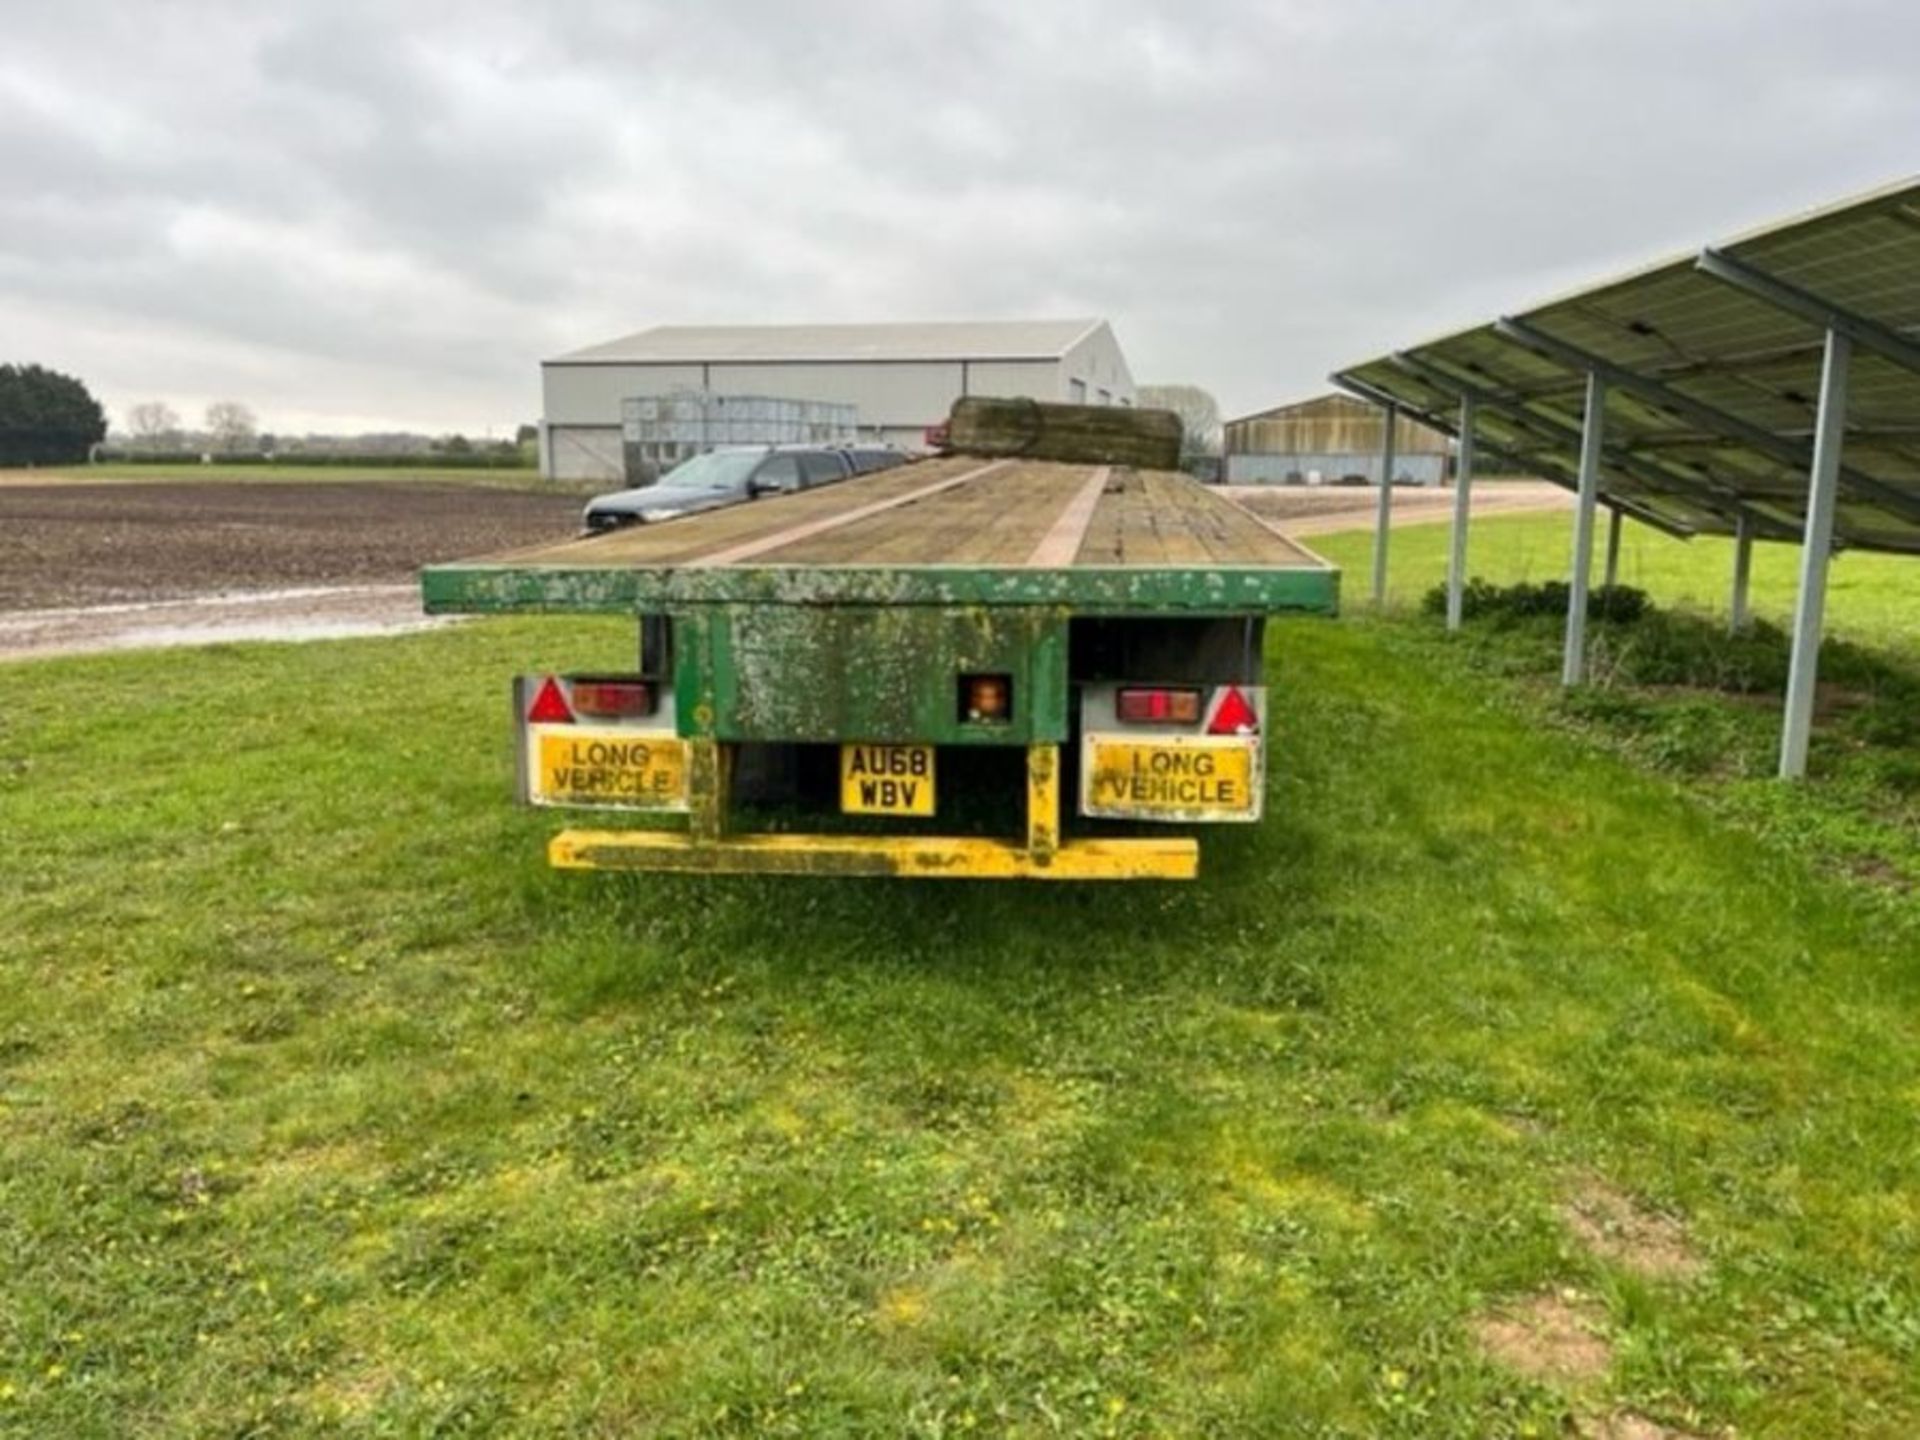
1234,715
549,706
612,699
1158,706
986,697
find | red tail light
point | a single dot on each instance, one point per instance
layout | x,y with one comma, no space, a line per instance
550,706
1158,706
612,699
1235,716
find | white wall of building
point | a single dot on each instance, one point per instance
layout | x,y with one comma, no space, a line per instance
591,394
1012,379
1097,363
898,398
907,395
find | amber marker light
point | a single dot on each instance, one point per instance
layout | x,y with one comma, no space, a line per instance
986,698
612,699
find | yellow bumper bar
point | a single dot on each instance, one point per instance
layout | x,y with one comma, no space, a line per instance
900,855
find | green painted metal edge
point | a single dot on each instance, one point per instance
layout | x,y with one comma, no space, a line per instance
494,589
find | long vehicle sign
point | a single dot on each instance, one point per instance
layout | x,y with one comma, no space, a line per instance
609,768
1171,777
573,758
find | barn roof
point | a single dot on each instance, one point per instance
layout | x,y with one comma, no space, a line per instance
920,340
1294,407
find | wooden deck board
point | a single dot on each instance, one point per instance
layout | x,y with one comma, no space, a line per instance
1003,518
1123,531
995,520
1155,518
677,541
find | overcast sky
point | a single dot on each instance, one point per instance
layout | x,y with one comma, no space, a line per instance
357,215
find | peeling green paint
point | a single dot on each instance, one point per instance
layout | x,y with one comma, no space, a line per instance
483,589
863,672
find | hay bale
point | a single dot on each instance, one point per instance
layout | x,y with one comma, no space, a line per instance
1083,434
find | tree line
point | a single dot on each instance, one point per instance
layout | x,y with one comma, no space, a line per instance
46,418
229,425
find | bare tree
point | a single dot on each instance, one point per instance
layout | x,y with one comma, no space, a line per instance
231,425
1199,415
154,424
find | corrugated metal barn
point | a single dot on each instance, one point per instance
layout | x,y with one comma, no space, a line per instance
902,378
1327,440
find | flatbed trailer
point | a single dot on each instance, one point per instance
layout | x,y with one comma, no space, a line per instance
958,622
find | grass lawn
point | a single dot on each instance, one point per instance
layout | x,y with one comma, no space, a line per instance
1874,598
326,1109
1677,695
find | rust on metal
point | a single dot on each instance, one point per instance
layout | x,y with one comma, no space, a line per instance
1043,802
709,772
922,857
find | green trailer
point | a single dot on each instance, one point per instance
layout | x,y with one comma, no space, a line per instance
842,680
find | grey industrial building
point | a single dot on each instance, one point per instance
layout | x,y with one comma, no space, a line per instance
1330,439
902,378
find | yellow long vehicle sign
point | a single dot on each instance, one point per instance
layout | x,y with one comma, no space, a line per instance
1172,777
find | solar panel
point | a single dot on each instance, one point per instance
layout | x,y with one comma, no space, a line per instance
1713,362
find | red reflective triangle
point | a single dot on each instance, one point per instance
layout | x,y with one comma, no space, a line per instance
550,706
1235,716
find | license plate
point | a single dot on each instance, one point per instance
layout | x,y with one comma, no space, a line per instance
610,769
1172,778
886,779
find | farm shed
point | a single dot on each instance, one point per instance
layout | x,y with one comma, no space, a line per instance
901,378
1333,437
1765,388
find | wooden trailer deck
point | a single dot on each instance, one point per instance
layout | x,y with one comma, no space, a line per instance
954,530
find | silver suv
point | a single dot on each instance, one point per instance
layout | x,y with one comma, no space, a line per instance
727,477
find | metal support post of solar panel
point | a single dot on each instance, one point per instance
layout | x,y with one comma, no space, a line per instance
1816,554
1383,512
1593,429
1716,363
1462,509
1737,605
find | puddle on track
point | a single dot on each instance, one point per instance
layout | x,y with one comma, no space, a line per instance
320,612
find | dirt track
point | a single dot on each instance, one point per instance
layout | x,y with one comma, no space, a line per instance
1319,510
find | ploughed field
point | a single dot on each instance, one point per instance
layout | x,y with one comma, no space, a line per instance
71,545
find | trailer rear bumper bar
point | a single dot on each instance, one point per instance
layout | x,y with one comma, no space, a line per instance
916,856
707,847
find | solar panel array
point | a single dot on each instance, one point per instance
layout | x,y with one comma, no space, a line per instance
1713,389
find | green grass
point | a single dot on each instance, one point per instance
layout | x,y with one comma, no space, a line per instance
1677,695
326,1109
1875,598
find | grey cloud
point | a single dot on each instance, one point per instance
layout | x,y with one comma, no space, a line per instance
361,210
